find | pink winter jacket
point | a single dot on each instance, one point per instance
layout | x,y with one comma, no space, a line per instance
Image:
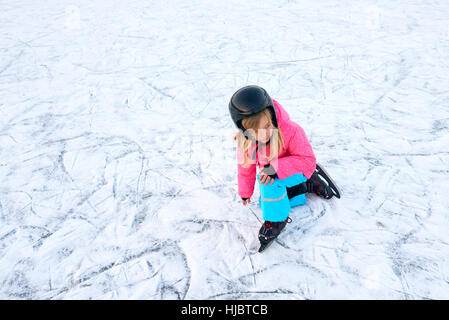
296,155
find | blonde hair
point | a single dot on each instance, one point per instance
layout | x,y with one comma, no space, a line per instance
251,124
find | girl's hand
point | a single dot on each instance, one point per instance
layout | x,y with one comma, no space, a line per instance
246,201
266,179
268,174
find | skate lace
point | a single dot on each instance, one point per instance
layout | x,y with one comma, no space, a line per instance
276,225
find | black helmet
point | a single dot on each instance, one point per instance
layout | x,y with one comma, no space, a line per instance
248,101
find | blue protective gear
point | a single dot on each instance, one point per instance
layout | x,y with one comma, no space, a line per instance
274,201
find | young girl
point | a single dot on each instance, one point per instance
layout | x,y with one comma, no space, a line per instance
269,140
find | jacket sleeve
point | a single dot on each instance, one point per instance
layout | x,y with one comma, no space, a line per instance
246,176
301,158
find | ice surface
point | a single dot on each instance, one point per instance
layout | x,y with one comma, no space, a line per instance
117,168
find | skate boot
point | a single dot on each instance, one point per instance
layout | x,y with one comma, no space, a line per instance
322,184
270,231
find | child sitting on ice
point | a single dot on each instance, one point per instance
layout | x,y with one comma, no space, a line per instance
269,140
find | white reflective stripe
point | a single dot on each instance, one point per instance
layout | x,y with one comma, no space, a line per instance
274,199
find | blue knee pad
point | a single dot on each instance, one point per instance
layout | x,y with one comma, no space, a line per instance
274,200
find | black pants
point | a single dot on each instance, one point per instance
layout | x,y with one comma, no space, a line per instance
296,190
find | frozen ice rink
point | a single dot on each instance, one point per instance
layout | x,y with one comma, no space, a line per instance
118,176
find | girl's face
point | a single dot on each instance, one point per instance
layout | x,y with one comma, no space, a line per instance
265,130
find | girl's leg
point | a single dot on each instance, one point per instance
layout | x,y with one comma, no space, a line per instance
274,201
296,193
298,200
296,190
